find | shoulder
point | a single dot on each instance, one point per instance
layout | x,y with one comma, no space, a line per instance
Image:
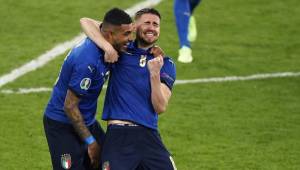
87,51
168,72
169,63
88,47
169,67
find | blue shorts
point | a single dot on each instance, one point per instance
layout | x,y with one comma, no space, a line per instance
67,150
134,147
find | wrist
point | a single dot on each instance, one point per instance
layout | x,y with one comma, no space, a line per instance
89,140
155,75
154,72
106,47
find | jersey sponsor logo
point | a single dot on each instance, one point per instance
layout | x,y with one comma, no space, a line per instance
85,83
66,161
143,60
91,69
106,166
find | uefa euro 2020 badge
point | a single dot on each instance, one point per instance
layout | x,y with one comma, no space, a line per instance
66,161
85,83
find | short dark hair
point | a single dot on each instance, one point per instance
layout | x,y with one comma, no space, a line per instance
117,17
146,11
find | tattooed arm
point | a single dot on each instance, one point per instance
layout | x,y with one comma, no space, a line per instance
74,114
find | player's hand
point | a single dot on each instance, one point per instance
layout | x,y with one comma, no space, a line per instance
157,51
154,65
110,54
94,154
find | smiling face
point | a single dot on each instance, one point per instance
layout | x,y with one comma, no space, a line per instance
121,36
147,29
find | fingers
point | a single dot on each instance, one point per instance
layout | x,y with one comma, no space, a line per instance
155,64
95,164
94,154
156,51
159,59
111,57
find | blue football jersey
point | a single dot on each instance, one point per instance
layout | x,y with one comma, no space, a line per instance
128,95
83,72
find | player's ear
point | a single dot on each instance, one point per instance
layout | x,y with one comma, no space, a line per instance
134,27
113,31
110,34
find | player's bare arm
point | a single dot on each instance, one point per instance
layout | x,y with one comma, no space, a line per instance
91,29
160,93
74,114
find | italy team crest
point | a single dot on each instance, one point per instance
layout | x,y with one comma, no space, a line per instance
66,161
106,166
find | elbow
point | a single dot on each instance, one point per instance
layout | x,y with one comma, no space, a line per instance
69,107
83,20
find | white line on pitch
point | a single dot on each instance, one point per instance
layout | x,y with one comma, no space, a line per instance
26,90
60,49
178,82
239,78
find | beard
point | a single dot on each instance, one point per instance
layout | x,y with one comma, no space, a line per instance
144,42
119,47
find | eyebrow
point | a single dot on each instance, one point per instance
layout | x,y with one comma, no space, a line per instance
128,32
152,22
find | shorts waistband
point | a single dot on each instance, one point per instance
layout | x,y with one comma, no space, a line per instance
121,123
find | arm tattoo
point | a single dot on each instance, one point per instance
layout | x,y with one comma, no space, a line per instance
74,114
78,123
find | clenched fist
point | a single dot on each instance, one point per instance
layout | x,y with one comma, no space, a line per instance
110,55
154,65
94,154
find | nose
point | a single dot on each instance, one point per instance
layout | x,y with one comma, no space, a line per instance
153,26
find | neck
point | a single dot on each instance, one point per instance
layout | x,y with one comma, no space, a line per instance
143,45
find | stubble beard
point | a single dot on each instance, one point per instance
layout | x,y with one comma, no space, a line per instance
144,43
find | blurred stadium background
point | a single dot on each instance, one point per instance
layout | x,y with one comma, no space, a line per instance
234,125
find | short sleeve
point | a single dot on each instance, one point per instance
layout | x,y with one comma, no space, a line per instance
168,72
81,78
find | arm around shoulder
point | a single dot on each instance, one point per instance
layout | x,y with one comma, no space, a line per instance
91,28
